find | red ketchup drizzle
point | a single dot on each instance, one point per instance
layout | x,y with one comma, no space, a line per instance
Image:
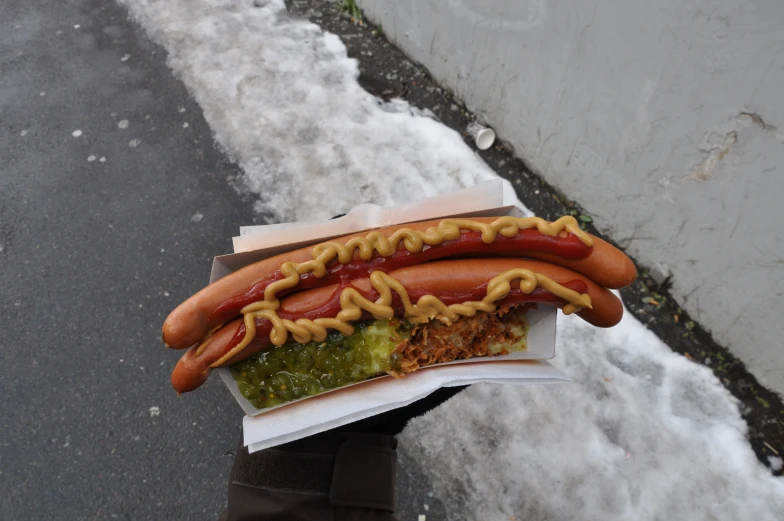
468,244
332,307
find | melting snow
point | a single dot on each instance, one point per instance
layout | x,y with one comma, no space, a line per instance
283,101
641,434
123,124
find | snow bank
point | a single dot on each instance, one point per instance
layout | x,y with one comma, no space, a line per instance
642,434
284,102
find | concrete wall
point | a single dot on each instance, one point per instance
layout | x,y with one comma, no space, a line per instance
661,118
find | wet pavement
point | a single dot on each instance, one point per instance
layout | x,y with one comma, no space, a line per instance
113,201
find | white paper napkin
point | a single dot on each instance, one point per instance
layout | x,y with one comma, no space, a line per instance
473,201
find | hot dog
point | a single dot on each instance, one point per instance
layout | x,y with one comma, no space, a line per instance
411,292
562,243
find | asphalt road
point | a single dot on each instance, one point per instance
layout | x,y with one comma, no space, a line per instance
113,201
100,236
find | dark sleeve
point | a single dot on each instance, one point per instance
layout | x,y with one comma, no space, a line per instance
332,476
345,474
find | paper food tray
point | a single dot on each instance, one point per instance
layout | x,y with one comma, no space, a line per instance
308,417
269,427
540,342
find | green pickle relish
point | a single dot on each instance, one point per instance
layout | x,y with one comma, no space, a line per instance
295,370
